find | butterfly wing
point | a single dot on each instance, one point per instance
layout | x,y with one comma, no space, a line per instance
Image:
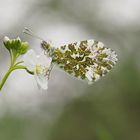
88,60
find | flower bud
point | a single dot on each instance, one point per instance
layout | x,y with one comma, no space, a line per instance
18,39
6,39
6,42
16,44
24,47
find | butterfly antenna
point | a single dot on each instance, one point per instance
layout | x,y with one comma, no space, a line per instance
31,33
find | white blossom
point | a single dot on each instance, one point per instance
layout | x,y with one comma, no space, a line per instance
40,65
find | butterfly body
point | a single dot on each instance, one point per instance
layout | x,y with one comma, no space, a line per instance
87,60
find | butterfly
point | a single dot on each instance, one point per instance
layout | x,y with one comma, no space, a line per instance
86,60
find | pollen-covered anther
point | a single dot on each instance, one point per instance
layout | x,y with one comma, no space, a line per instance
41,70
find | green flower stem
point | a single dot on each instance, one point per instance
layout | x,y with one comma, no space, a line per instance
16,48
12,68
5,78
11,56
22,67
18,63
14,60
7,75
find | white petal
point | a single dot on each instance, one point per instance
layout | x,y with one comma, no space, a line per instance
18,38
30,60
42,81
6,39
44,60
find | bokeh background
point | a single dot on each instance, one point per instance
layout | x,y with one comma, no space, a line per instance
71,109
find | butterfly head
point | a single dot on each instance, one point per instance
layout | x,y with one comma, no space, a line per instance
47,47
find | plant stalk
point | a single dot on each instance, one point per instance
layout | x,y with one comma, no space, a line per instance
9,72
5,78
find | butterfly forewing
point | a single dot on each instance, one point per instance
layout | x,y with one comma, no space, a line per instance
87,60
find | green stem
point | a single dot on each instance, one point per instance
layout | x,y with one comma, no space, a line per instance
14,60
15,67
19,63
11,56
22,67
5,78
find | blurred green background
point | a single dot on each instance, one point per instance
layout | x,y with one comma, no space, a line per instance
71,109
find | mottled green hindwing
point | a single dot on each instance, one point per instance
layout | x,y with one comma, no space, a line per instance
88,60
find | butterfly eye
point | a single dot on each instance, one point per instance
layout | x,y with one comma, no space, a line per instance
45,46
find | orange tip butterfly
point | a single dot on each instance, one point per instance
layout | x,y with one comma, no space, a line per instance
86,60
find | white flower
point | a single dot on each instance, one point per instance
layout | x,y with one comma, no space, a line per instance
40,65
